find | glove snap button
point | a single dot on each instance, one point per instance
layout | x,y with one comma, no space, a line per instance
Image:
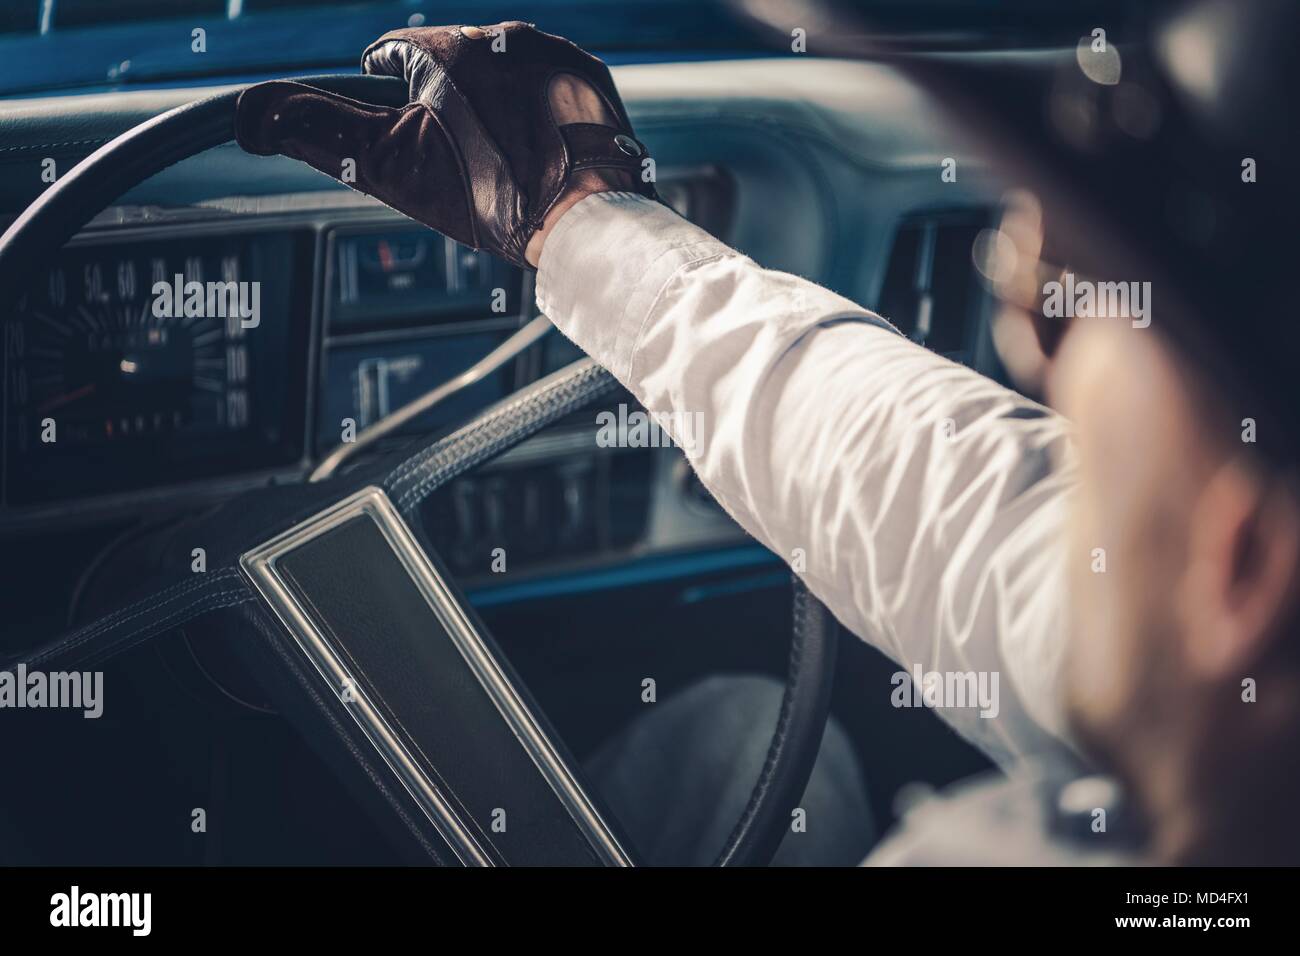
627,144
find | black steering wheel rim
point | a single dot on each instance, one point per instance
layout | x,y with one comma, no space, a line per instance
131,158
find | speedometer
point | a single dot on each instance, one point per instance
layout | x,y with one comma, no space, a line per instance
113,383
109,371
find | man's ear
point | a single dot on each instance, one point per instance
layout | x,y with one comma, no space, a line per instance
1244,565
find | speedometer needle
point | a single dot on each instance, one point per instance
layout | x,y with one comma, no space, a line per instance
60,400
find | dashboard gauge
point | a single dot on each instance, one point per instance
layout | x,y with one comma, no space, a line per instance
403,275
114,381
112,372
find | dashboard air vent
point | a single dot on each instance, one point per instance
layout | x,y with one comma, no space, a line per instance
932,292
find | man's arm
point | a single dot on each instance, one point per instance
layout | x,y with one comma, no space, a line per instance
926,500
825,432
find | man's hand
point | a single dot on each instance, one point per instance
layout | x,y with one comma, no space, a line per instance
507,128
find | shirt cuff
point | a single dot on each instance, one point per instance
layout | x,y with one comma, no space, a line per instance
604,266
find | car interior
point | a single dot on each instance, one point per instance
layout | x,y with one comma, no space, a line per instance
620,565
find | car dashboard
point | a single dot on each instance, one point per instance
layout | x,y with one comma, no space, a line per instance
828,169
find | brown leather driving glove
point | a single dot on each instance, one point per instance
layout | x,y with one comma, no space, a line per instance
476,154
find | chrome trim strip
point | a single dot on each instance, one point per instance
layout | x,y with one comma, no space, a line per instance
260,566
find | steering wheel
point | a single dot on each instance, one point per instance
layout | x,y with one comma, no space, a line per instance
335,596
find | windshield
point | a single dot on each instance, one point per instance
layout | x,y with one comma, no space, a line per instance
83,45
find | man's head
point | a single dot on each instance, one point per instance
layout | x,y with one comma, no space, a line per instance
1184,657
1184,663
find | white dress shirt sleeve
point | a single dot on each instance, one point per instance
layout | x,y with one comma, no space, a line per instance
924,502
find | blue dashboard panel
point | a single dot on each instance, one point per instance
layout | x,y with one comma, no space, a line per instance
614,58
649,570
